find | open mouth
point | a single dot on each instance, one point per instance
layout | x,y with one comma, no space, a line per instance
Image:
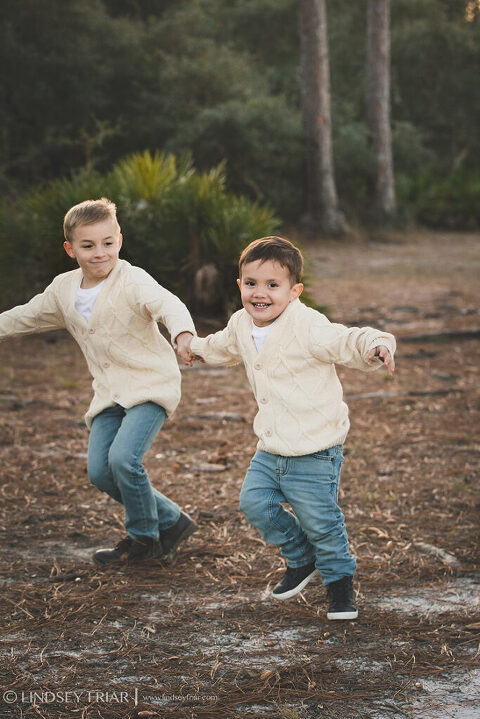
260,305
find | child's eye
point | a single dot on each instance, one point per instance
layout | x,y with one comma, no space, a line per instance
273,284
249,283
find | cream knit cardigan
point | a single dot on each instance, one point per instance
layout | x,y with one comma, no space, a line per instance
130,361
293,377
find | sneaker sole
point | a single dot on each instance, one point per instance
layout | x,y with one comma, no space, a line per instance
124,560
297,589
187,532
342,615
101,563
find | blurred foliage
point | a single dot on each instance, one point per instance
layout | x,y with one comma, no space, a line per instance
174,219
448,201
87,82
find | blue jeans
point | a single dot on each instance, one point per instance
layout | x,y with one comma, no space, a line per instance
118,440
309,483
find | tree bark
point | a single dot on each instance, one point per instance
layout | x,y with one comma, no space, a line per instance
378,106
322,203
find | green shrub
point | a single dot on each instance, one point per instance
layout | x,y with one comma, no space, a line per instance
262,139
175,221
353,165
448,200
31,234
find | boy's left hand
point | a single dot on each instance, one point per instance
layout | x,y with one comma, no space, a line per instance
183,341
384,354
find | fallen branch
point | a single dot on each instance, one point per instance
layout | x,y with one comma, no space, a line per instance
207,467
446,557
412,393
443,336
223,416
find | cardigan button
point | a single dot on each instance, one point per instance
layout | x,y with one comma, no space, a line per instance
106,364
258,365
268,433
91,331
263,400
116,396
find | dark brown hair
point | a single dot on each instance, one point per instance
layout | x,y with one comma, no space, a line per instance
276,249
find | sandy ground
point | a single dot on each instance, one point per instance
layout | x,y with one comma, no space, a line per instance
202,638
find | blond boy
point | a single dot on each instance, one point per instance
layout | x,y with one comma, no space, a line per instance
111,309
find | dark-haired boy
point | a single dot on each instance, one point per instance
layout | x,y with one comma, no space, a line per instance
289,352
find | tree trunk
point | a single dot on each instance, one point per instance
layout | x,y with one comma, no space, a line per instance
323,212
378,106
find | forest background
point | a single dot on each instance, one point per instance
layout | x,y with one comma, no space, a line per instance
188,115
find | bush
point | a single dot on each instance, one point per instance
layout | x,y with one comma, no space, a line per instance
449,200
31,234
184,227
263,141
353,165
176,221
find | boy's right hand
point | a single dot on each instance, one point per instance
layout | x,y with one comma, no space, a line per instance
384,356
183,341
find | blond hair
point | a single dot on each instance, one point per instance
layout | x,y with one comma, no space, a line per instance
87,213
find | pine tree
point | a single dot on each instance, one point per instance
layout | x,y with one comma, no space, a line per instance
323,212
378,106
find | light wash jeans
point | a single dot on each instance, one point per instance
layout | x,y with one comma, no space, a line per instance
118,440
309,483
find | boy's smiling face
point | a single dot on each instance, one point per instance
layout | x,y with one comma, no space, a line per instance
266,288
95,247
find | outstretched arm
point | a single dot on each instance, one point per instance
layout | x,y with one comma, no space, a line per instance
40,314
219,348
354,347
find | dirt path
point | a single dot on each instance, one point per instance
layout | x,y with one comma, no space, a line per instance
202,638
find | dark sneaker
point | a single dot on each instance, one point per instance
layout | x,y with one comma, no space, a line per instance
170,538
294,580
144,548
129,549
341,600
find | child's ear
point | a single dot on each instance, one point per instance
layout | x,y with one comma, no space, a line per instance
68,249
296,291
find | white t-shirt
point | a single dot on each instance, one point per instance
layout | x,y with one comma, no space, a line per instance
85,300
259,334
